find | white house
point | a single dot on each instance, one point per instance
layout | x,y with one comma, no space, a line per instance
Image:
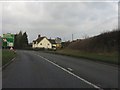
42,42
54,44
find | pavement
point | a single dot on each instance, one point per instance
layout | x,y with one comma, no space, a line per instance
32,69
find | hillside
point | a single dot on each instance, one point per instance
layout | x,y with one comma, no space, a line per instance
105,42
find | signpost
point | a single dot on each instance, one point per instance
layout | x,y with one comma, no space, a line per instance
8,40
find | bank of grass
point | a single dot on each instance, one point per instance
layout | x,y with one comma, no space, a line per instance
7,56
102,57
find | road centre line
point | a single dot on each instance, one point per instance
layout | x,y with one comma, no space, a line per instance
95,86
70,69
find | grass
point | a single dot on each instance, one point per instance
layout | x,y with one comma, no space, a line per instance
0,57
102,57
7,55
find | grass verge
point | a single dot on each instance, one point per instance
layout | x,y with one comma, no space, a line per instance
111,58
7,55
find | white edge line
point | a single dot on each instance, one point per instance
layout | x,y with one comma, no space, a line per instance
61,1
70,72
8,63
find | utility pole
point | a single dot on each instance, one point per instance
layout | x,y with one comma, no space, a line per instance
72,37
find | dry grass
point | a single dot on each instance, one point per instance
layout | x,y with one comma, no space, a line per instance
103,57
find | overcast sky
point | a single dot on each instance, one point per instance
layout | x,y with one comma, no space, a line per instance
59,19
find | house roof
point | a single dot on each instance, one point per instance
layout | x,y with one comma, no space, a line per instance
52,41
39,39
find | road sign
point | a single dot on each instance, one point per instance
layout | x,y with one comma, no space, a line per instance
8,40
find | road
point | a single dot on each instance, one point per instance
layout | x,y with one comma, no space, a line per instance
32,69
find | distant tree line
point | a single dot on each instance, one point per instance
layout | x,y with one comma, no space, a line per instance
21,40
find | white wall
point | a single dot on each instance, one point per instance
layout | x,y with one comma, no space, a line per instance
45,44
34,45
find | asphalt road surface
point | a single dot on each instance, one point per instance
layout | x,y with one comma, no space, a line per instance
32,69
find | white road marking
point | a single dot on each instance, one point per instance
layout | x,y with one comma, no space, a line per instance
95,86
70,69
8,63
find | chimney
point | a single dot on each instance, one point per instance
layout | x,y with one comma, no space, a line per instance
39,36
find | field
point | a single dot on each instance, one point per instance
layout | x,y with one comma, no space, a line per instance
7,55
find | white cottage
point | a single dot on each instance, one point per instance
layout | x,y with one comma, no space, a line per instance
42,42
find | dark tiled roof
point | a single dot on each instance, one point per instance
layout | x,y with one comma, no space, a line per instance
34,41
52,41
39,39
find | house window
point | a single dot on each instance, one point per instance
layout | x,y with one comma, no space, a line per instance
40,43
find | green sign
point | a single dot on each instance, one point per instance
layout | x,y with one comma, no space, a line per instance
8,40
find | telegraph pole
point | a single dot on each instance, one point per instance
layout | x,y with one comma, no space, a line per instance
72,37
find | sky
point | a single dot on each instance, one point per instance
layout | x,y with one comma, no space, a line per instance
58,19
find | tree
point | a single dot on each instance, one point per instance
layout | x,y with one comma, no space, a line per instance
85,36
24,39
21,40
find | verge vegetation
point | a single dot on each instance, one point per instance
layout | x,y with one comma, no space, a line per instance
102,57
103,47
7,56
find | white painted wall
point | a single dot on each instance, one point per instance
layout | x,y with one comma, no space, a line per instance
34,45
44,43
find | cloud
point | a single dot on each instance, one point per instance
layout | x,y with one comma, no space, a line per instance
54,19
